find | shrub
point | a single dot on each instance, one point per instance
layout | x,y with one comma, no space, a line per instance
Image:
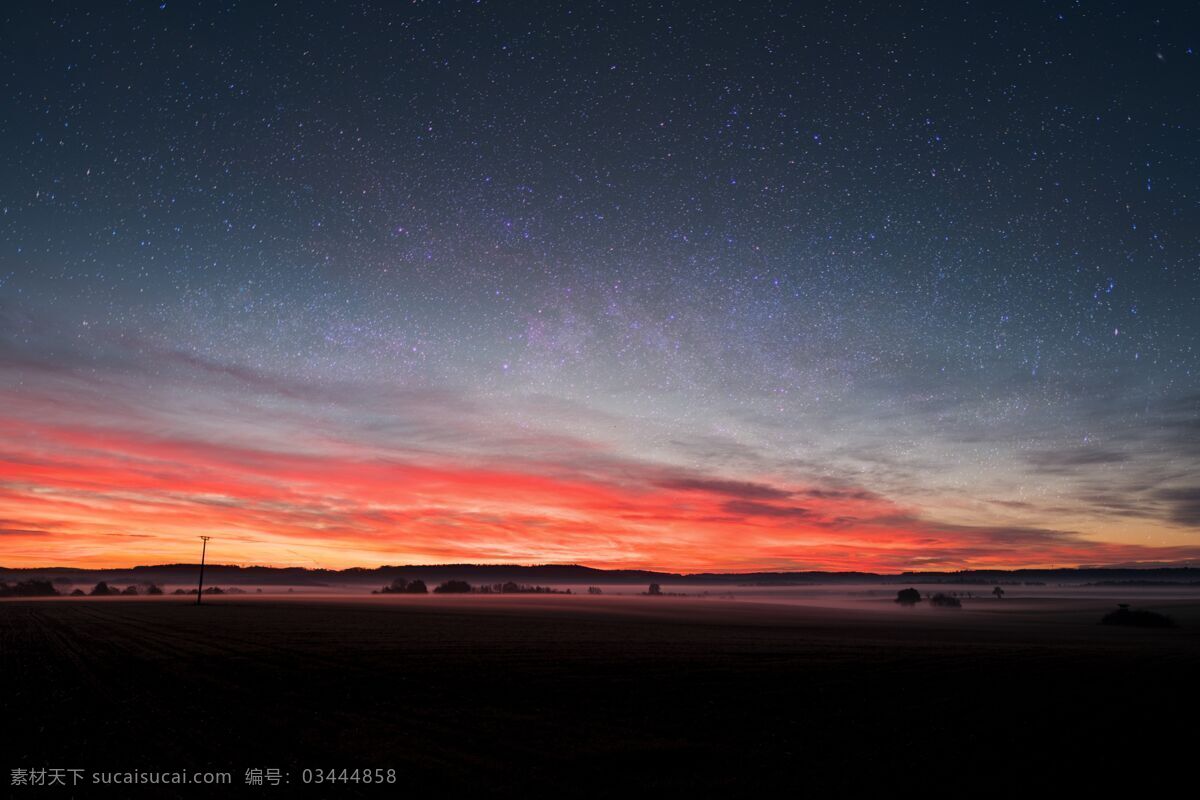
101,590
1137,618
908,597
945,601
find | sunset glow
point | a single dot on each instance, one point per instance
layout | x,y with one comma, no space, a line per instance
279,477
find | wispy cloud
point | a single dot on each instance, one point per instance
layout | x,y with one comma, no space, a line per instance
1183,504
1068,460
743,489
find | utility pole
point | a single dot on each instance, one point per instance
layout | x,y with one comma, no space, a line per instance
200,587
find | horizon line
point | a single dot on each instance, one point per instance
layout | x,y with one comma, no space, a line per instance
464,564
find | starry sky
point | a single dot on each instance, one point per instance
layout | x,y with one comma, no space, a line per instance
691,286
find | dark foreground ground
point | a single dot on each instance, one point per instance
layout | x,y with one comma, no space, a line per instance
586,696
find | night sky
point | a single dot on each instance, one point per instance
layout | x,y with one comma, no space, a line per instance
689,286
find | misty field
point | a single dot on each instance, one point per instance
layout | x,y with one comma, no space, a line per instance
582,695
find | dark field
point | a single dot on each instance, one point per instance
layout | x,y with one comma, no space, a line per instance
583,696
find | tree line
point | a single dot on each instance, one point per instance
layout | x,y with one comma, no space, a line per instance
402,586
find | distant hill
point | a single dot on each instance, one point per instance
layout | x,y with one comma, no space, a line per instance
573,574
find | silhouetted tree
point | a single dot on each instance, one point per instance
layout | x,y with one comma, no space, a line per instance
101,590
998,592
130,590
594,590
153,589
401,586
453,587
945,601
908,597
77,593
654,589
29,588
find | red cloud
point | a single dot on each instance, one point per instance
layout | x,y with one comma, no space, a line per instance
112,496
